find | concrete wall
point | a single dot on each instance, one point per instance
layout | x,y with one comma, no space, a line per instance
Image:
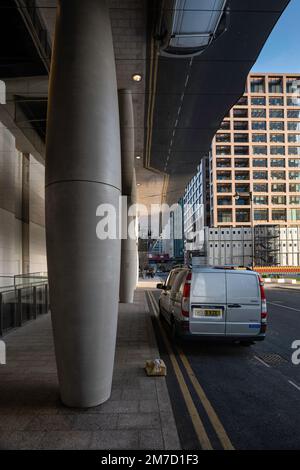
37,239
10,205
19,209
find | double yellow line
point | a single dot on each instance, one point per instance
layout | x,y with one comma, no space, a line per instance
196,420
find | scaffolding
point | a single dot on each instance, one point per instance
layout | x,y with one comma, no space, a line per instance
267,245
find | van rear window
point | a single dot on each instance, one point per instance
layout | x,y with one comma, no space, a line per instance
209,287
241,287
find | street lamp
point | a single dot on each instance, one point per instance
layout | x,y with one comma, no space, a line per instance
250,195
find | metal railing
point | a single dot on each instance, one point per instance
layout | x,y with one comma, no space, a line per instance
23,300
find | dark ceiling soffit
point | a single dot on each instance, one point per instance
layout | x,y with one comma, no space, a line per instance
219,72
23,41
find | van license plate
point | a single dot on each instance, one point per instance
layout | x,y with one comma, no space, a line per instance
207,313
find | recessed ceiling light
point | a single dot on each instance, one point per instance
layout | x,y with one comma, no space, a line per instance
137,77
138,157
138,184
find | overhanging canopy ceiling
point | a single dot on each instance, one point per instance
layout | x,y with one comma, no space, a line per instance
188,98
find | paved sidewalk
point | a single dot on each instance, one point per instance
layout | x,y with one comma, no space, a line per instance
138,415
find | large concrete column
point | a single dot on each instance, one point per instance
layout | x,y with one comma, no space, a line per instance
83,170
128,251
134,201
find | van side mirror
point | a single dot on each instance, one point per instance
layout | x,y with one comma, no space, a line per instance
160,286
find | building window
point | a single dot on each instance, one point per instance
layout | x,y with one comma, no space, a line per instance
260,187
258,101
240,125
294,150
241,175
224,188
278,175
224,201
225,125
276,113
294,138
259,137
293,113
277,138
276,101
295,200
224,215
240,113
257,85
278,188
241,150
241,162
294,175
279,214
260,175
277,150
243,101
243,201
241,137
223,163
260,162
224,175
242,188
294,187
223,138
294,214
278,162
293,85
294,162
276,126
293,126
278,199
223,150
261,214
275,85
242,215
258,113
294,101
259,150
260,200
259,125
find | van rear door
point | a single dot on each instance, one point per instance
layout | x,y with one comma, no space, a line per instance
243,304
208,303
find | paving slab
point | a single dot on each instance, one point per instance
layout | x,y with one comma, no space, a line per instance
138,415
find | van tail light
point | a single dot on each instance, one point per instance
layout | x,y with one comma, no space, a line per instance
185,301
264,313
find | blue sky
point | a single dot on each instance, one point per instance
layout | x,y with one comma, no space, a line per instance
281,52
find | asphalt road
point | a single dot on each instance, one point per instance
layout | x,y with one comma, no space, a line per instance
254,391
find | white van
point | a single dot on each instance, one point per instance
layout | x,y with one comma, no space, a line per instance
215,302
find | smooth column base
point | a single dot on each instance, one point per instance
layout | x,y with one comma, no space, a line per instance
84,278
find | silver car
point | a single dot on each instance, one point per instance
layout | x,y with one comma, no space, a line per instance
215,302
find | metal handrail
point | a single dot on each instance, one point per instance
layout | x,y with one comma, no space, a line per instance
18,309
